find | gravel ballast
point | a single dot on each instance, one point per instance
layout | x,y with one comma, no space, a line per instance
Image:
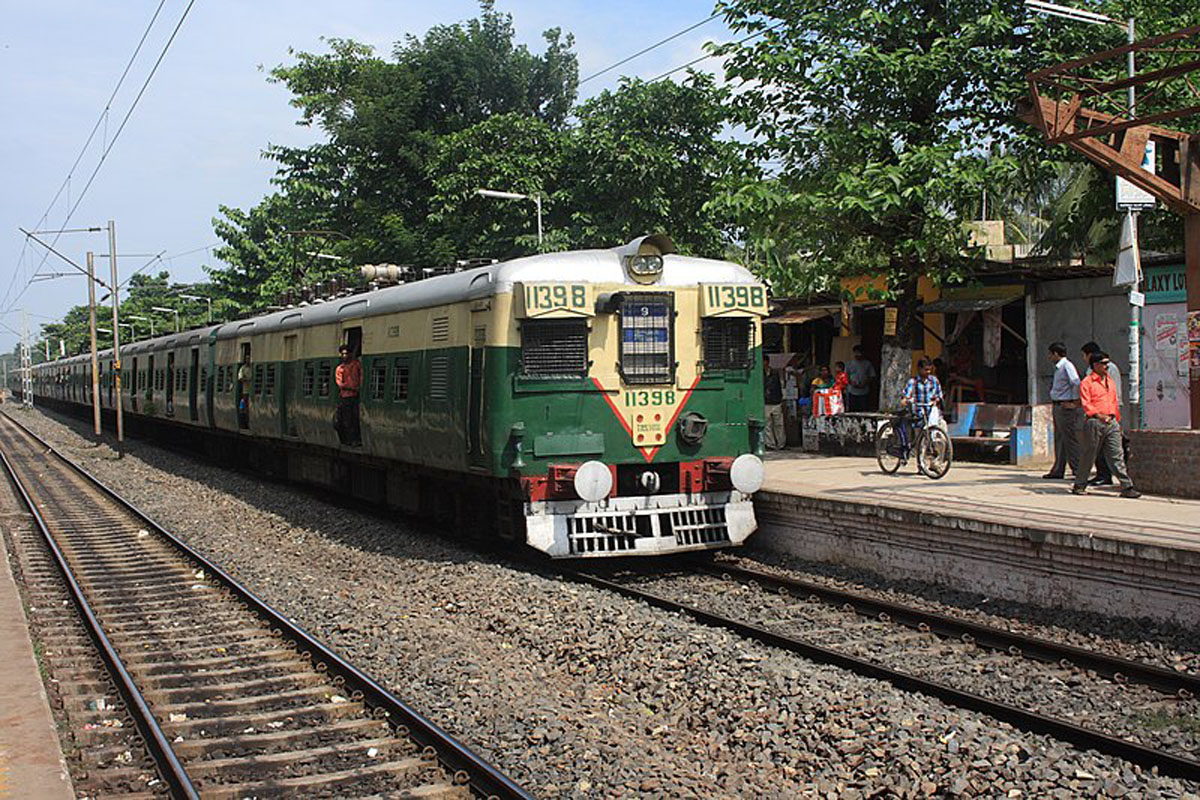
571,690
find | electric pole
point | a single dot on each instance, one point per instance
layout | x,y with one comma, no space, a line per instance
91,276
115,292
26,372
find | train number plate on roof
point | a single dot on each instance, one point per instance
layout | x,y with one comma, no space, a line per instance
737,299
555,300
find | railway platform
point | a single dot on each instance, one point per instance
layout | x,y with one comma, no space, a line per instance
31,762
993,529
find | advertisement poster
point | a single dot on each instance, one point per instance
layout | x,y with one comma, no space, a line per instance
1166,332
1193,330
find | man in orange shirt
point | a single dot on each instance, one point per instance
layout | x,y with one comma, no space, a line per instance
1101,427
349,381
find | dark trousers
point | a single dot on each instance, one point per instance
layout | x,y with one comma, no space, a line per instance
1067,422
1103,440
346,421
857,402
1103,473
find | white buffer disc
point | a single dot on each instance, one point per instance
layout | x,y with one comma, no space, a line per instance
746,473
593,481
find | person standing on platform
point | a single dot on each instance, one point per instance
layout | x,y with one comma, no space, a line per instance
773,401
349,381
1102,427
840,379
824,379
1103,475
1064,394
861,372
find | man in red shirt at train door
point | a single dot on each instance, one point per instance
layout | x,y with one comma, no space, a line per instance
1101,428
349,381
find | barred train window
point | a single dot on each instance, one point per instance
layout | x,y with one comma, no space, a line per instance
323,380
647,349
378,378
309,379
400,381
554,348
269,388
727,342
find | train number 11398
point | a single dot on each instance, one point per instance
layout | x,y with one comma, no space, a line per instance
543,297
740,297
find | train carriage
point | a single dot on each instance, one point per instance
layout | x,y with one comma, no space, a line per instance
591,403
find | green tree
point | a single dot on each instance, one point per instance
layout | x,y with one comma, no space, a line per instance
648,157
887,120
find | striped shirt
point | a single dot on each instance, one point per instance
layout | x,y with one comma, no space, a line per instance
923,392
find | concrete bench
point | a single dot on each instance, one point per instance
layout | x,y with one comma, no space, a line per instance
994,428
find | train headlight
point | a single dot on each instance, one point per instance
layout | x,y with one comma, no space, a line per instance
746,474
645,269
593,481
643,257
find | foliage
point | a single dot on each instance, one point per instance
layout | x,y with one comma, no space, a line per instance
648,157
888,122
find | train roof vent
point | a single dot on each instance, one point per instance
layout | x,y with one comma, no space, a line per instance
440,329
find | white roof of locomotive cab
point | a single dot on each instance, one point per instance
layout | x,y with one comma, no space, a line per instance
580,266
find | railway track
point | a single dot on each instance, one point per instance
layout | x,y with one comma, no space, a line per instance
228,697
931,654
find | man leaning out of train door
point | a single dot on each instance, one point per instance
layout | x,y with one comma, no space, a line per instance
349,381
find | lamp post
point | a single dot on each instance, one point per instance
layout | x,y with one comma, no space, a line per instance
1135,316
144,319
165,310
536,198
205,299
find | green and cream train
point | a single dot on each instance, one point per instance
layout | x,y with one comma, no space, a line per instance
590,403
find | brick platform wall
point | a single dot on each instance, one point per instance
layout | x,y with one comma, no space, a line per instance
1165,462
1038,566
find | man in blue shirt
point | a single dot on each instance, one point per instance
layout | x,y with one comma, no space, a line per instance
1064,394
923,391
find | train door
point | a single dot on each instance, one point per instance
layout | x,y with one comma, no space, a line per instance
475,398
210,385
193,388
170,384
241,397
287,384
133,387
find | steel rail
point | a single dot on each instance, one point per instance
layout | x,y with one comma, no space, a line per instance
1182,684
152,734
484,779
1030,721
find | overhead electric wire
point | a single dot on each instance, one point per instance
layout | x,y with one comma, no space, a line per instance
643,52
707,56
120,128
99,120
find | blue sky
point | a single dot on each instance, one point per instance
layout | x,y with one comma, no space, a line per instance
196,137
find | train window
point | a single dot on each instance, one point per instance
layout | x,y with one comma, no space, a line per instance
310,378
269,384
400,380
554,348
203,379
323,379
727,342
258,379
378,378
647,347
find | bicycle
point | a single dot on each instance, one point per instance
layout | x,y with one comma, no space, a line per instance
905,433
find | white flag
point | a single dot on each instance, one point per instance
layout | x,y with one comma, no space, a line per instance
1129,261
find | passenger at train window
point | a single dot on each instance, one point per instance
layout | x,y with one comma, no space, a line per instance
244,376
348,377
